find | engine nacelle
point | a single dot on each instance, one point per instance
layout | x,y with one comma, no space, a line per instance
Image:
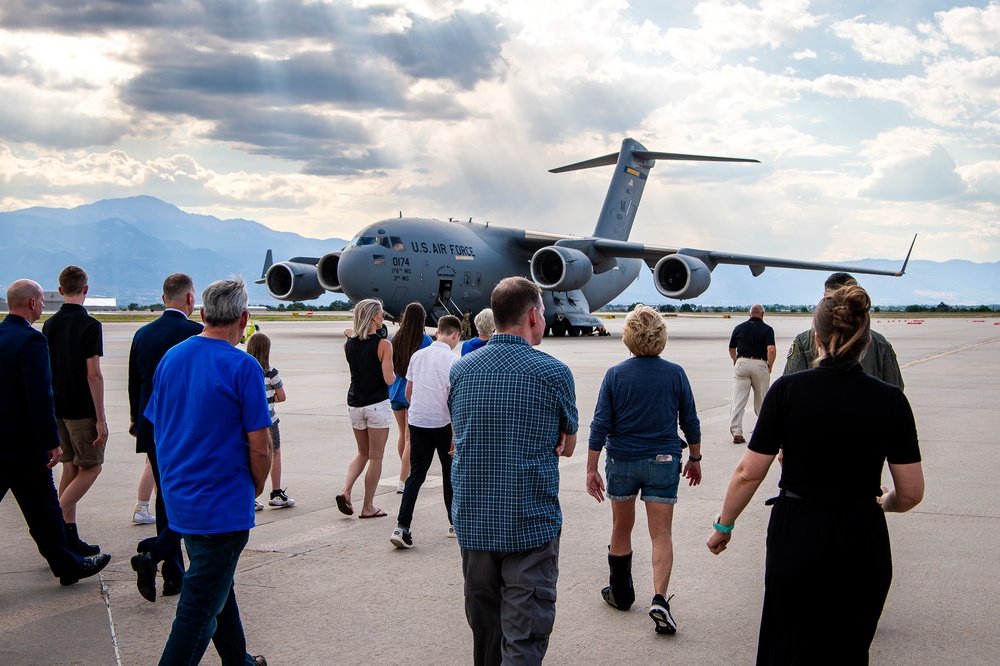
290,281
326,270
681,276
561,268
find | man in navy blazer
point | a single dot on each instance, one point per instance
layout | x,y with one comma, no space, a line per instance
149,345
33,437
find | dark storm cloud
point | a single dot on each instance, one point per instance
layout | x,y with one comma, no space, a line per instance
464,48
198,59
337,79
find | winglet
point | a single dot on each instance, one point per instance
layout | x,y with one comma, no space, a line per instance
268,260
902,271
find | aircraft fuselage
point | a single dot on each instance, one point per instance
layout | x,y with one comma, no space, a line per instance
454,266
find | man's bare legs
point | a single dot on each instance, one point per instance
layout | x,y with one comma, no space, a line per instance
73,485
371,448
660,518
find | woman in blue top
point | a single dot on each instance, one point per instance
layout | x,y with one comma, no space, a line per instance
408,339
639,405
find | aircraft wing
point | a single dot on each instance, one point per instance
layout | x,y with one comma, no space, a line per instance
651,254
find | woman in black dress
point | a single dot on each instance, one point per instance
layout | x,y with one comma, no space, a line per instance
828,565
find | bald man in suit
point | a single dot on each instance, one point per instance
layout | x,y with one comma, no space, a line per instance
32,440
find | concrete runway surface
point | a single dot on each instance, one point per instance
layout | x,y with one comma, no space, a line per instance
317,587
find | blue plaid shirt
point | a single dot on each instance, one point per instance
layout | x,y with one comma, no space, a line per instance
508,404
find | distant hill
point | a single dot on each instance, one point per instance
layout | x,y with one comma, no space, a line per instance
129,245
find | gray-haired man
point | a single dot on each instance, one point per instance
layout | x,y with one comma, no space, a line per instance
213,445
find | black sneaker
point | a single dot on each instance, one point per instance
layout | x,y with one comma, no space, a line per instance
660,612
401,538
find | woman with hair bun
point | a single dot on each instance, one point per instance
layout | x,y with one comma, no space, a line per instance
828,565
640,403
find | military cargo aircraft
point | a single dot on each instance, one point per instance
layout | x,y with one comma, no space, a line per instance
452,267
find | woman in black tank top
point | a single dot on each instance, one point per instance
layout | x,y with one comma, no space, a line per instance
370,359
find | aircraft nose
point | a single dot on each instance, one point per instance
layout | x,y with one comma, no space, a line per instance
354,273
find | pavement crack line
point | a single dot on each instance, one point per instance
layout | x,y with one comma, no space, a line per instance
111,620
951,351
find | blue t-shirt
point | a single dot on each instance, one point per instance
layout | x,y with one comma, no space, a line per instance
207,395
638,407
397,392
472,345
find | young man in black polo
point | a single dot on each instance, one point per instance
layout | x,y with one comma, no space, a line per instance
76,345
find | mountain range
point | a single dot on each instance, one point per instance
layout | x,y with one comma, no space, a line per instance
128,246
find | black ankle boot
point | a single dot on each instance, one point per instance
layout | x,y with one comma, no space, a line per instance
620,592
77,545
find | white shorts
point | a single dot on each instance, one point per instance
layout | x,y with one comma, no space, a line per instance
378,415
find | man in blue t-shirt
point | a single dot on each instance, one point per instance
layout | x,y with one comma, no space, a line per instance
211,428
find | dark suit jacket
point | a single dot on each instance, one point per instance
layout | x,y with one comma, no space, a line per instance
26,391
149,345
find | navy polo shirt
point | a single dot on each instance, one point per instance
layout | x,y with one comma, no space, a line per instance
752,338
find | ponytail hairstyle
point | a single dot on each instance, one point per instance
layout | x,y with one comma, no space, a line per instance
259,346
843,326
408,338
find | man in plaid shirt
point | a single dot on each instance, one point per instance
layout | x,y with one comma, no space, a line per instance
514,413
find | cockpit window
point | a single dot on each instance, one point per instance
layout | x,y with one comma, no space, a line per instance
397,243
384,242
361,241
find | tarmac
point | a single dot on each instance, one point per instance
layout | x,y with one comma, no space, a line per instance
317,587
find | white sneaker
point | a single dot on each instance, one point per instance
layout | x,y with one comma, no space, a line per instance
400,487
142,516
401,538
279,498
257,506
451,532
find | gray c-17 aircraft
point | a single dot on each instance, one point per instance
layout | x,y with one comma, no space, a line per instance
452,267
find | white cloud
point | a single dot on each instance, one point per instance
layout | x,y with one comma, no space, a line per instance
879,42
804,54
973,28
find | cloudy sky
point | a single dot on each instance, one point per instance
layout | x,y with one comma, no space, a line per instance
873,121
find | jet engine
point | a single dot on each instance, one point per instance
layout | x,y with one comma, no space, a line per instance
560,268
327,272
291,281
681,276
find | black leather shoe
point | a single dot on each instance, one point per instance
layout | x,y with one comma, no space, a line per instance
145,576
172,587
91,566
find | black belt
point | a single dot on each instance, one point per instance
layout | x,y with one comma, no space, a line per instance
752,358
788,494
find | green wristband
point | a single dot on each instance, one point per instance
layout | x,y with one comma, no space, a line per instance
725,529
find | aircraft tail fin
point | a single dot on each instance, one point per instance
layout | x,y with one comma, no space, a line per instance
622,201
902,271
268,261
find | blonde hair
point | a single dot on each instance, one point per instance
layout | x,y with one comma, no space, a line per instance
645,332
484,322
364,313
259,346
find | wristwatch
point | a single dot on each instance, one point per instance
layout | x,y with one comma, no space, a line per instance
725,529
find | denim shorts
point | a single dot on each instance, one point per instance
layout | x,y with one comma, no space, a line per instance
656,479
399,405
